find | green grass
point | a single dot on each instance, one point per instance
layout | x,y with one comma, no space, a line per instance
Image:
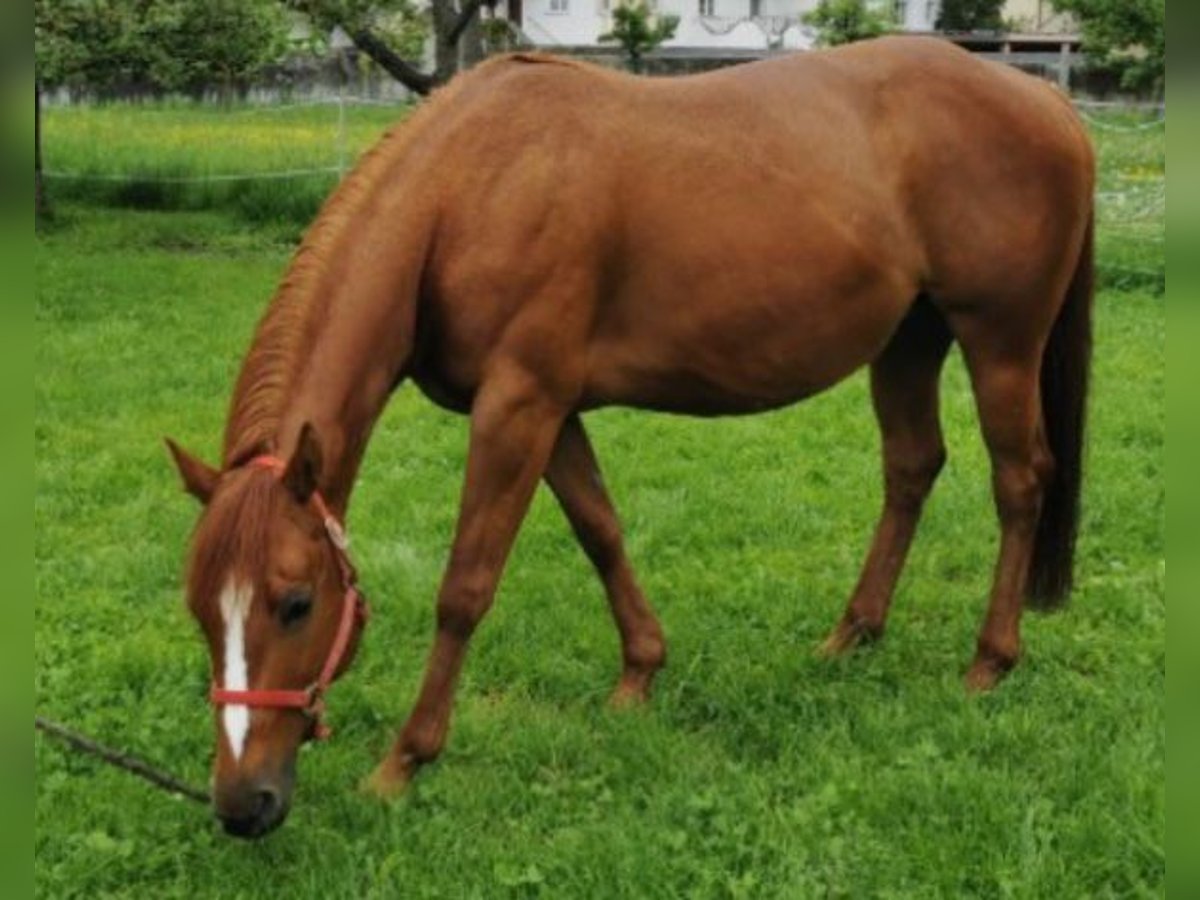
757,771
176,155
1131,211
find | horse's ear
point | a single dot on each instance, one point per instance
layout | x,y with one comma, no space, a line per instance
199,478
304,468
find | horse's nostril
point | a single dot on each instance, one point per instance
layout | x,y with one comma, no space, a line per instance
261,813
268,805
241,826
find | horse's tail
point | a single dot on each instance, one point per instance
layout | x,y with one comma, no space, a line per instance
1064,384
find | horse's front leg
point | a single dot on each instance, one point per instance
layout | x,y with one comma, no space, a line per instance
514,423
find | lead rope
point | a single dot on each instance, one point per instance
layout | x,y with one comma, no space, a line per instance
158,777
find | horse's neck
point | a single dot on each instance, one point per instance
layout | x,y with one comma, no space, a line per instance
357,338
341,331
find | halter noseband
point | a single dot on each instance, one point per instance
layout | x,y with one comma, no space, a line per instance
310,700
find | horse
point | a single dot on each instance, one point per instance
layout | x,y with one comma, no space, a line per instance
545,237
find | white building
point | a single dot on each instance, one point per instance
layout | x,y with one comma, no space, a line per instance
708,24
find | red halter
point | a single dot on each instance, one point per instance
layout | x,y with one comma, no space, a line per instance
310,700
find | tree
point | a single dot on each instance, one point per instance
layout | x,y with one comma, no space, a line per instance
638,30
1125,36
971,15
844,21
41,207
105,47
197,45
373,26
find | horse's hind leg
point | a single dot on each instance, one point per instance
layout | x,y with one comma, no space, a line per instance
574,476
904,389
1005,373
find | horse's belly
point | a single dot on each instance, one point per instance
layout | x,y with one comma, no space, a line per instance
742,357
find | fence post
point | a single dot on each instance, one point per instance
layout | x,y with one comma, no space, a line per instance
342,126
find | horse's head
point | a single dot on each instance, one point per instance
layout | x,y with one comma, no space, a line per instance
269,589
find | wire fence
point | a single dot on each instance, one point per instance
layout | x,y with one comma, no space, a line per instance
1115,116
196,179
336,144
182,155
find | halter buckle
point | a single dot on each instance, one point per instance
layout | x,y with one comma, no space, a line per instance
315,712
315,708
337,534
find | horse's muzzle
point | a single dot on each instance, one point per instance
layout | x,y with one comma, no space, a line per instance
252,810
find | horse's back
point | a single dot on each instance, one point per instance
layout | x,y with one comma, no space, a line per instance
781,214
913,138
994,167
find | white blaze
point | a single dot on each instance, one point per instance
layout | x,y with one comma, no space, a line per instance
235,608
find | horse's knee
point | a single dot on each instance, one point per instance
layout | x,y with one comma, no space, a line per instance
1018,491
1044,464
909,474
463,602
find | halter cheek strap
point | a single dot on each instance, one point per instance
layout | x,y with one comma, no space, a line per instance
311,700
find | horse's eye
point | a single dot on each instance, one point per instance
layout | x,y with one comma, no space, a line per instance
295,606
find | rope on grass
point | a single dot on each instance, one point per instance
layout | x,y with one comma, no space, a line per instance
163,780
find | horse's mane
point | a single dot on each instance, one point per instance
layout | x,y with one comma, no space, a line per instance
293,318
287,328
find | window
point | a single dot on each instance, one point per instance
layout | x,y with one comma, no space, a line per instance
931,12
707,7
755,8
900,11
559,6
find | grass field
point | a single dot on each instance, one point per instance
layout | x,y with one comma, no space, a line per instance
757,770
176,155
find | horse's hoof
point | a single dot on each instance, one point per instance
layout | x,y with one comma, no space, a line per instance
839,643
984,675
629,695
846,637
390,778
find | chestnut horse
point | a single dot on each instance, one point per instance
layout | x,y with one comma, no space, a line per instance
545,237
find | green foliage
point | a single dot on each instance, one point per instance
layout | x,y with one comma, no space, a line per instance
200,44
107,46
1126,36
500,35
845,21
971,15
757,770
403,24
638,30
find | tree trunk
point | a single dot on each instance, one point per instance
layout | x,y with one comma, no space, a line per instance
392,63
445,42
450,24
470,45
